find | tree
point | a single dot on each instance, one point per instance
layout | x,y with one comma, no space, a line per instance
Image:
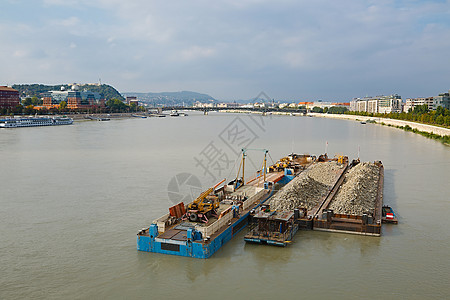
62,105
27,101
36,101
29,109
115,105
420,109
337,110
440,120
317,109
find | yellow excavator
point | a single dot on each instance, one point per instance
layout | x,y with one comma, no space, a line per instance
204,206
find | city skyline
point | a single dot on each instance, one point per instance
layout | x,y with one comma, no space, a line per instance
233,49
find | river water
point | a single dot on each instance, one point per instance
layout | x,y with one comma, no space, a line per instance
72,199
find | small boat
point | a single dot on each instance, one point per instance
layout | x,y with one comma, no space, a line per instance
139,116
174,113
388,215
363,122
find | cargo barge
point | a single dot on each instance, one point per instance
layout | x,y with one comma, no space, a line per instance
202,227
307,202
366,223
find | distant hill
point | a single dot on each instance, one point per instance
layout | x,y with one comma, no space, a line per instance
171,98
37,89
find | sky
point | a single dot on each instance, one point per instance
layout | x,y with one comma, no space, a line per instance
235,49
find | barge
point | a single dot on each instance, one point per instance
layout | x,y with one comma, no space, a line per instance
202,227
298,205
367,223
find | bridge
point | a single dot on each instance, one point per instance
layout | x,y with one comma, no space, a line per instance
263,110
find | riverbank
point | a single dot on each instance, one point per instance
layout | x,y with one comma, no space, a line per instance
429,131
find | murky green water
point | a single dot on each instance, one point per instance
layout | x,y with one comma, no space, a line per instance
72,199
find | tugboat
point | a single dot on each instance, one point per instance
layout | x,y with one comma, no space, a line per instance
388,215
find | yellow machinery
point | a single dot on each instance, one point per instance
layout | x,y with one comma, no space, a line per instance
204,206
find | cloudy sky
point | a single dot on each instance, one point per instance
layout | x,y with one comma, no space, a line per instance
299,50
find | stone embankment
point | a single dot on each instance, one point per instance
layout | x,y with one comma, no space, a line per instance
421,127
307,189
358,194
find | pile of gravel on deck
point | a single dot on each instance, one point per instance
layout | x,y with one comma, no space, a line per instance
307,189
324,172
358,193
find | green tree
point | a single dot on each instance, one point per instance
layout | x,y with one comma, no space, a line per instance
317,109
62,105
115,105
420,109
337,110
27,101
36,101
29,109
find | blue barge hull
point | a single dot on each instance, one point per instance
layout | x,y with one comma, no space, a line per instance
192,240
197,249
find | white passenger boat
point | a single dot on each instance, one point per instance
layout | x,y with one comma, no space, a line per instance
34,121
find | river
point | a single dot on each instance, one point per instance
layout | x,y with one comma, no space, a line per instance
74,197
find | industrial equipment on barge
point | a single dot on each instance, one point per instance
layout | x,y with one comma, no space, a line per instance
273,227
200,228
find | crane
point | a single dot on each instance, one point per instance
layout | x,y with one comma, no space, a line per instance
201,208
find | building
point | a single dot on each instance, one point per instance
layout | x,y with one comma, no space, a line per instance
442,100
199,104
9,97
306,104
413,102
132,99
74,98
378,104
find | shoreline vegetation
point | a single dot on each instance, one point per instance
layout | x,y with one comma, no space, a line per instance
439,133
445,139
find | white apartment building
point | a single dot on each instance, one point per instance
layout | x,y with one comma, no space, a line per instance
413,102
379,104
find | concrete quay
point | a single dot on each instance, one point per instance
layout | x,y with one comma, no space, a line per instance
421,127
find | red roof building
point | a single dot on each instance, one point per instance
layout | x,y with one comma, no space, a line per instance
9,97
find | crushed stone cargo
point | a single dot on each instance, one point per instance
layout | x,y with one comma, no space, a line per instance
307,190
358,193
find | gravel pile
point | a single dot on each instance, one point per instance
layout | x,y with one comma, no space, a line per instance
324,172
307,189
358,193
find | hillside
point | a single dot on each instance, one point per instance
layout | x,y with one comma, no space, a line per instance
37,89
171,98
